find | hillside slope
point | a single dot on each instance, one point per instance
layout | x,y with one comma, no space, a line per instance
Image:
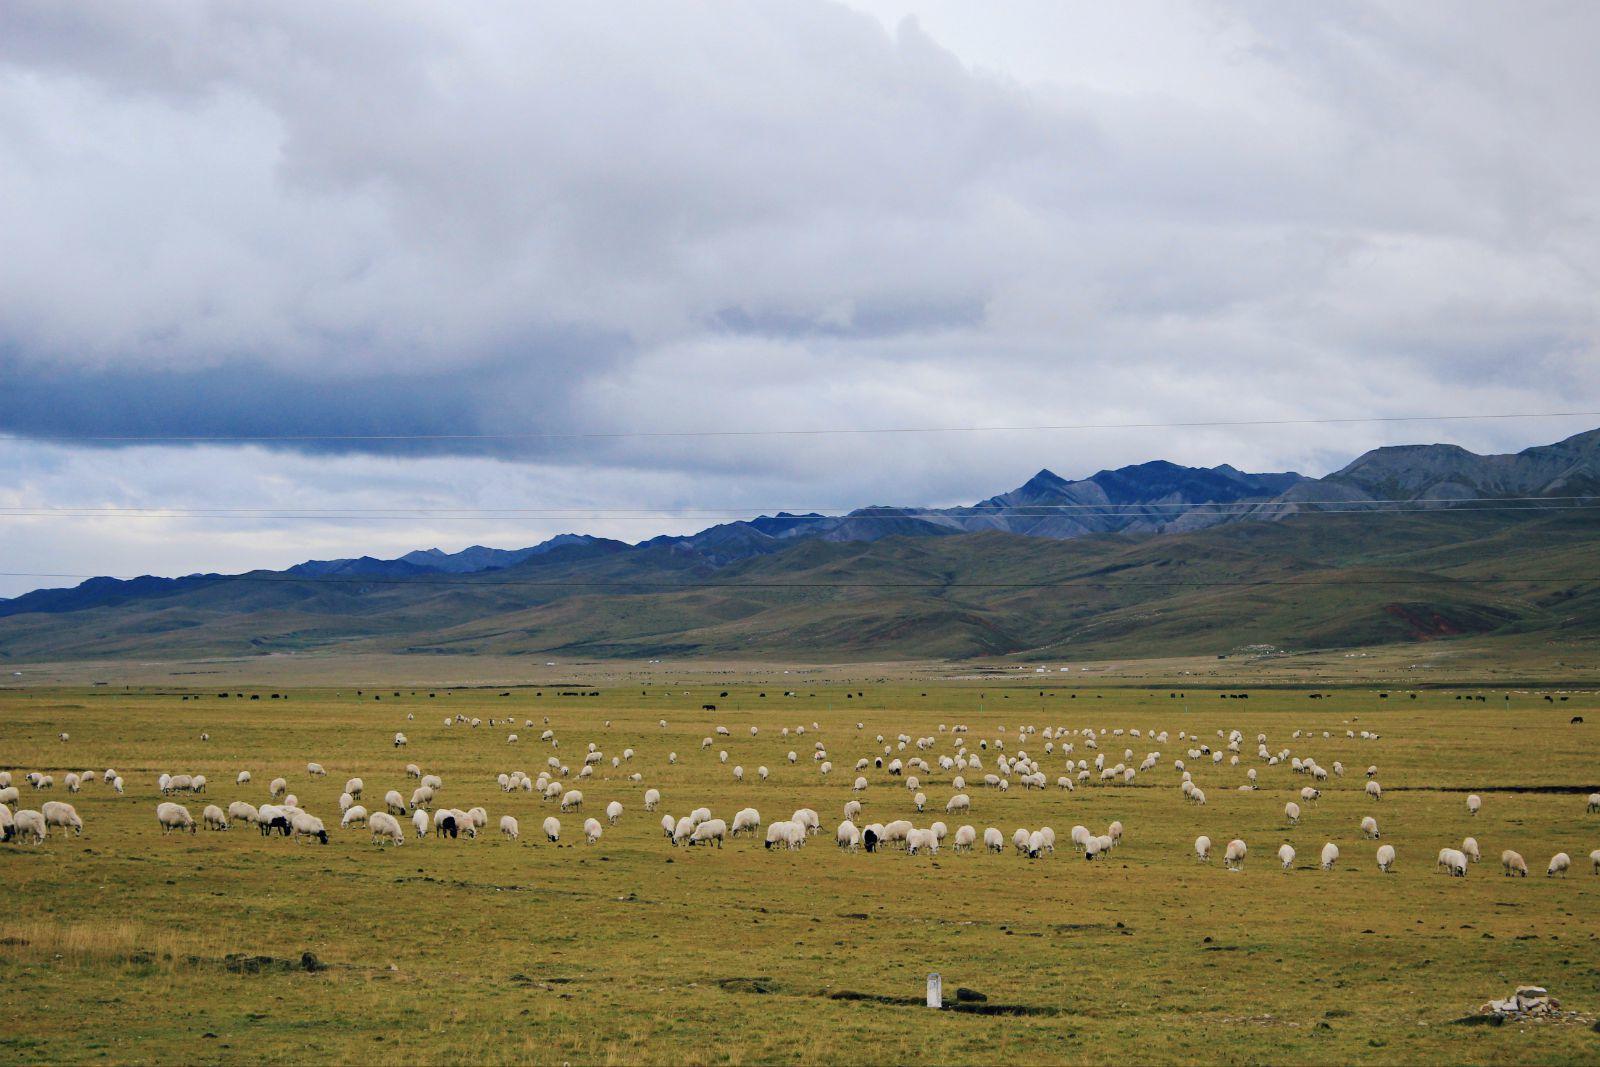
1313,581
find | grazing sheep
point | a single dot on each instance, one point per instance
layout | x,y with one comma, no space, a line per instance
993,840
305,825
447,824
1560,863
746,820
572,800
72,782
1291,811
315,770
591,830
1473,804
552,829
1233,855
1202,849
807,819
8,823
1469,848
419,820
171,817
354,815
1374,790
240,811
920,800
788,834
847,836
922,841
1385,858
1512,863
965,838
26,823
243,779
1453,861
710,830
213,818
385,828
1594,858
1369,827
346,802
277,787
1330,855
354,787
1286,855
959,802
1594,803
59,813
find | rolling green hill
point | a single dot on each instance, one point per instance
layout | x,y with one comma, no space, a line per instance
1313,581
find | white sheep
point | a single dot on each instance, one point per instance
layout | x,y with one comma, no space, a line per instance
172,817
1469,847
1233,855
1453,861
965,838
72,782
959,802
315,770
354,787
1374,790
1594,803
1286,855
552,829
419,820
746,820
385,828
1512,863
1330,855
1594,858
1560,863
213,818
277,787
59,813
709,830
306,825
847,836
993,839
26,823
652,797
354,815
786,834
1369,827
572,800
1202,849
1291,811
1474,803
1385,858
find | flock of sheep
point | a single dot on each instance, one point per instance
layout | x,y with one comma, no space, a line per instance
906,758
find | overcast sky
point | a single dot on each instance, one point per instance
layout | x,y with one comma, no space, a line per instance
301,219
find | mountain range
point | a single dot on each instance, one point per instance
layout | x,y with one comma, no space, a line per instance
1404,543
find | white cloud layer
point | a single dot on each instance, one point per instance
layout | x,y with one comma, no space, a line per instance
230,218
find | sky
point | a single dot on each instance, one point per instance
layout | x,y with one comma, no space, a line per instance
372,236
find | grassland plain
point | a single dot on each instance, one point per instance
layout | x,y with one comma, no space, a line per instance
127,946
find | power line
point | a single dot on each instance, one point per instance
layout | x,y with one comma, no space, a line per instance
816,432
688,585
1324,507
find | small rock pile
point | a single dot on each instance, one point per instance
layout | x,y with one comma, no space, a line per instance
1529,1001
